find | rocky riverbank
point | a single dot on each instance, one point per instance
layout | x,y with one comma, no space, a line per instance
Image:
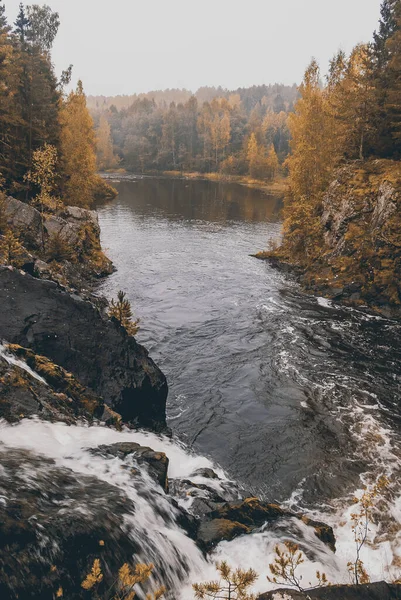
355,257
68,369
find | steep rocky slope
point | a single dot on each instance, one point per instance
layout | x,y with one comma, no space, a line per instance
355,256
72,333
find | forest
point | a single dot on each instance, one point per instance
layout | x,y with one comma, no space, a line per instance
341,214
239,132
45,133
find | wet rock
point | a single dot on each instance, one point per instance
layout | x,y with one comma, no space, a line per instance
206,473
187,488
254,513
211,533
156,462
371,591
323,531
53,524
251,512
71,332
201,507
53,395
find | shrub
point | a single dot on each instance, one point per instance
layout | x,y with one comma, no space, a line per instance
11,250
58,249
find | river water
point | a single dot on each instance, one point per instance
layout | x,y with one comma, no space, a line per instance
289,396
295,398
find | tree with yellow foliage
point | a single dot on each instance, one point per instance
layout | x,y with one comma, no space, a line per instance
78,150
124,588
106,159
256,158
272,163
310,164
11,250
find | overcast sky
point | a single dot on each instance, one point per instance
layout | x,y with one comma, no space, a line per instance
128,46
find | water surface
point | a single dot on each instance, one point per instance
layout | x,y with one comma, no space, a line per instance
288,393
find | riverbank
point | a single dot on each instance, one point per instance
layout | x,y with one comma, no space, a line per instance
352,254
277,187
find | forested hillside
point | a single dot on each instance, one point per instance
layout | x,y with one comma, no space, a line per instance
342,215
240,132
37,115
47,159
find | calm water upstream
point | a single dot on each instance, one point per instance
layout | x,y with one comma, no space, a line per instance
290,394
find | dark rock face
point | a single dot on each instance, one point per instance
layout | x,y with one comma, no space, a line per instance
371,591
156,462
71,332
23,395
48,540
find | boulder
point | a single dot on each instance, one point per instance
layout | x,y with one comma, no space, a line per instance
211,533
71,332
26,219
58,227
156,462
53,524
206,473
251,512
370,591
254,513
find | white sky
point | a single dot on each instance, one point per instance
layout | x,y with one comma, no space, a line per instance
128,46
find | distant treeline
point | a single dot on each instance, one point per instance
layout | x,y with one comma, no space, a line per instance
241,132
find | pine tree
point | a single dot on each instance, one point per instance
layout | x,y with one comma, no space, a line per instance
77,148
10,119
393,100
384,78
11,250
121,310
37,97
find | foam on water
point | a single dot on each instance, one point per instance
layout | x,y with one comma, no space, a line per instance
68,446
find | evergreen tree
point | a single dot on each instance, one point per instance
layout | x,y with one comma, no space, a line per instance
393,99
121,310
384,78
37,96
78,150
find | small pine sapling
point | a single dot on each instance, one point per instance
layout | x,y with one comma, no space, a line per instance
360,522
11,250
285,565
120,309
233,585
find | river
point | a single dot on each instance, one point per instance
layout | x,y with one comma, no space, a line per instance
286,396
297,399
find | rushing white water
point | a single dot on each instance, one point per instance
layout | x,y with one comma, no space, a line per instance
69,447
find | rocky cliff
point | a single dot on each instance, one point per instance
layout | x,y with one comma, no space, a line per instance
72,333
63,246
356,255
